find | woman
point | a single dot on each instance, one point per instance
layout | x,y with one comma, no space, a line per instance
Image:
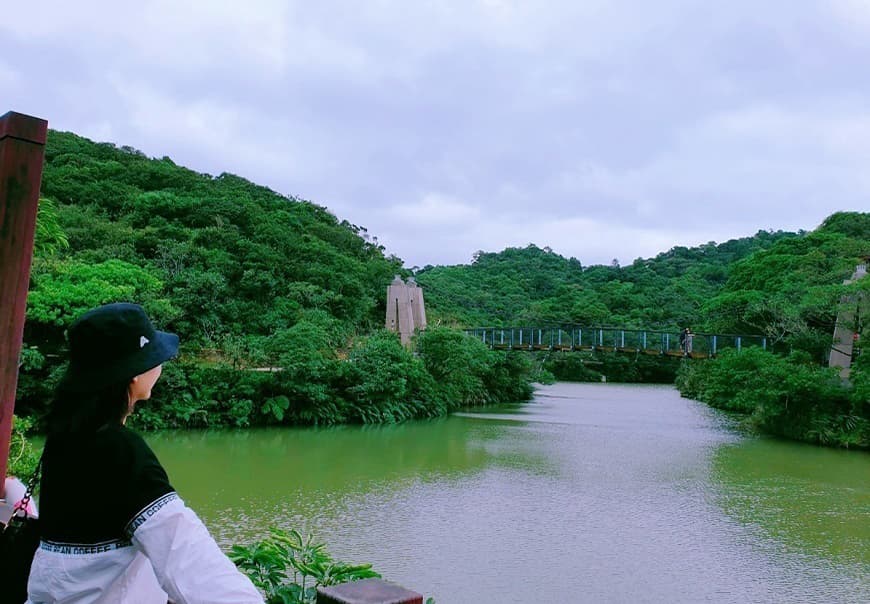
113,528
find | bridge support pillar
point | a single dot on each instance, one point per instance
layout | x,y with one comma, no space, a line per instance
847,330
406,310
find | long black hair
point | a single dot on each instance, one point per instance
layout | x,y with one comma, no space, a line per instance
73,412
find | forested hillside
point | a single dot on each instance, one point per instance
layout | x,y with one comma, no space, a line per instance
253,279
249,279
792,292
785,286
211,255
533,286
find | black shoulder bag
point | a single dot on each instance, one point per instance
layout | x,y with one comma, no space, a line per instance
18,542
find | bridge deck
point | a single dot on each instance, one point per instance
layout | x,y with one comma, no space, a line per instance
612,339
646,351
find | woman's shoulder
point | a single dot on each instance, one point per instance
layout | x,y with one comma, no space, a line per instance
142,465
113,450
128,440
111,445
127,435
119,433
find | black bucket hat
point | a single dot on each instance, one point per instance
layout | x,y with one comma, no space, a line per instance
112,343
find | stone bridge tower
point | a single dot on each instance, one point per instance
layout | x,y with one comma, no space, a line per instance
854,310
406,311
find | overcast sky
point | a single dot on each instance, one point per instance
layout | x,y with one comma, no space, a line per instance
603,129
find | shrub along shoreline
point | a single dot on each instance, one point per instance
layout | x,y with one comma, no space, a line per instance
374,380
378,381
791,397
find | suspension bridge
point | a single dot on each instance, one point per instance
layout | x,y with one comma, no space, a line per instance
613,339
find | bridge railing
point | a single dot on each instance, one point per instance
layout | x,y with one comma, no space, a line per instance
611,339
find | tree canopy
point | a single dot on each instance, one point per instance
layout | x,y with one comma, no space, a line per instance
252,278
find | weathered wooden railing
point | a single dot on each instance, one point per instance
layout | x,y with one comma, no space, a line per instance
367,591
22,147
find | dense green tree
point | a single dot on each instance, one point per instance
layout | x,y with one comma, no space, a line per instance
386,383
252,279
789,396
534,285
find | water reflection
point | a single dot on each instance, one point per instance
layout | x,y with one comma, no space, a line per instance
591,493
814,501
282,477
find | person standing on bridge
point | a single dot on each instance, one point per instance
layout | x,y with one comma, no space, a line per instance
684,341
112,527
686,337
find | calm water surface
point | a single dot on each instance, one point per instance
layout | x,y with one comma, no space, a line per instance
591,493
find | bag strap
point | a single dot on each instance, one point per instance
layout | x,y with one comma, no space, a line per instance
31,486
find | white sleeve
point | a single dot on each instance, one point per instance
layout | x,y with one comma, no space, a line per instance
188,563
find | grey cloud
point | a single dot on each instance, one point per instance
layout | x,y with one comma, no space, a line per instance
576,124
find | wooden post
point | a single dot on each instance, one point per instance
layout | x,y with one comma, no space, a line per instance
22,149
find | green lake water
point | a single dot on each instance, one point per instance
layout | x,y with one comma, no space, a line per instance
589,493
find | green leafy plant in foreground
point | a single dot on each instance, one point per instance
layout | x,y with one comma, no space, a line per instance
23,456
289,568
